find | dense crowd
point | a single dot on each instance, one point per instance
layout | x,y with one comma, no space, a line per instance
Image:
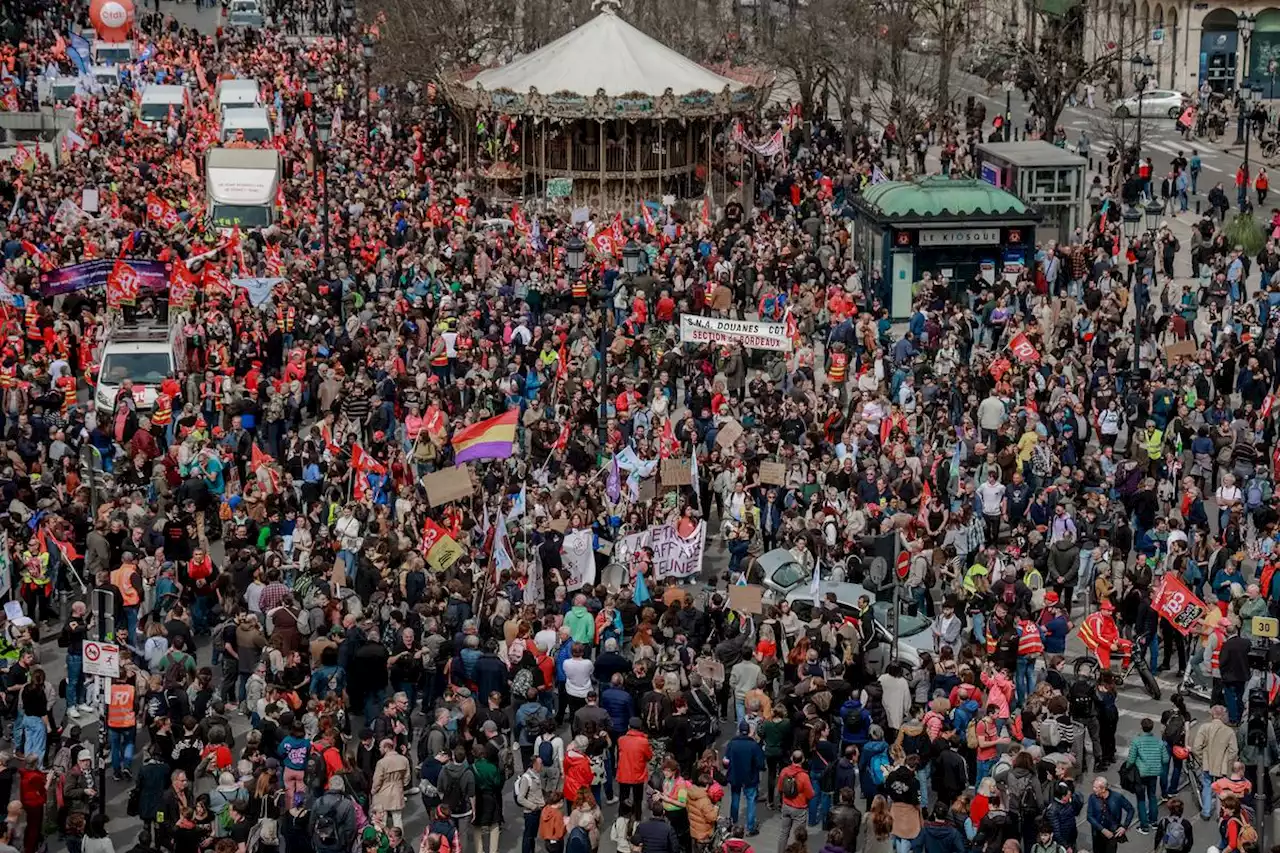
303,667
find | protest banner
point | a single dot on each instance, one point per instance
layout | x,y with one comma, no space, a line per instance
152,276
451,484
673,556
746,598
676,472
579,560
439,548
752,334
730,431
1178,605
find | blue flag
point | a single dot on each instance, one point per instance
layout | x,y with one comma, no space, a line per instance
78,60
641,595
613,485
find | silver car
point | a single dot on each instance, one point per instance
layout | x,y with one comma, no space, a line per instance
1156,103
915,633
245,13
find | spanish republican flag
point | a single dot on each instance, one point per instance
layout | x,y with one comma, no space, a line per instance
491,439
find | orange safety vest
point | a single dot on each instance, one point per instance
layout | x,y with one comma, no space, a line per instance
163,413
121,580
284,319
120,713
68,392
215,392
31,319
1217,651
464,345
579,289
839,368
8,377
440,356
1029,642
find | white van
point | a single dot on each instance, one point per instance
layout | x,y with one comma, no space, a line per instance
114,52
60,91
254,122
241,184
106,78
157,100
239,94
146,355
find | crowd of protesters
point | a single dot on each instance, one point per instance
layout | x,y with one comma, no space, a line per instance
260,530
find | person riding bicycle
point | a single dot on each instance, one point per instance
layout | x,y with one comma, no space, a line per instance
1101,636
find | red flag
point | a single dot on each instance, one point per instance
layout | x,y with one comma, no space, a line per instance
327,437
11,99
364,463
667,445
518,218
1177,604
562,440
604,244
886,428
649,225
1267,403
926,495
616,229
22,158
275,263
161,212
262,462
215,283
45,262
1022,348
122,285
182,284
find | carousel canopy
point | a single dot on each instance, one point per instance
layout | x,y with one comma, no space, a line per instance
605,68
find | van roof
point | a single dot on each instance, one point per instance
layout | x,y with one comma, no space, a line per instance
252,117
104,70
242,84
242,158
160,94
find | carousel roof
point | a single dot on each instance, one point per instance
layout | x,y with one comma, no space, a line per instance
608,54
604,67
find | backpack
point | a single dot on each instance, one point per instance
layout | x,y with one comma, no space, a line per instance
325,832
879,767
1009,595
521,683
1254,495
856,721
653,715
315,772
506,761
827,781
790,787
175,674
1027,802
1175,835
1080,699
971,735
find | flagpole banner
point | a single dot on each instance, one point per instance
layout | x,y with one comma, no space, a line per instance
673,555
439,548
579,560
153,276
752,334
1178,604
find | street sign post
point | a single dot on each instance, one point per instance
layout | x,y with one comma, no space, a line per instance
101,659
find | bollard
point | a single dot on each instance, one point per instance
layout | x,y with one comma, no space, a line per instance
1197,207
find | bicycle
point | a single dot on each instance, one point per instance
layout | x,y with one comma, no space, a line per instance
1088,667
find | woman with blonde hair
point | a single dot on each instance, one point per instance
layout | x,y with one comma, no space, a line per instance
877,828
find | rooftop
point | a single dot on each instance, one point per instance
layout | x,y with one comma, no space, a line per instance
938,197
1031,152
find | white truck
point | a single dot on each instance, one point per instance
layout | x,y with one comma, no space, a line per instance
144,354
241,184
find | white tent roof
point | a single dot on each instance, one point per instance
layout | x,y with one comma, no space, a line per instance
604,53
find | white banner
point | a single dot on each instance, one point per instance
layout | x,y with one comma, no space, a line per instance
579,560
673,556
752,334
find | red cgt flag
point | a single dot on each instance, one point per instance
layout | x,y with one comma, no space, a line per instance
1177,604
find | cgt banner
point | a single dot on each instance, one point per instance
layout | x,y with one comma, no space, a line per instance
153,276
673,555
1178,604
752,334
579,559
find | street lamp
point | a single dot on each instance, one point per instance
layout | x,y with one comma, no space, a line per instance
1141,67
320,142
631,258
1244,26
1153,211
575,253
1132,222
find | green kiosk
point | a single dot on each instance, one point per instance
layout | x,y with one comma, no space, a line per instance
961,228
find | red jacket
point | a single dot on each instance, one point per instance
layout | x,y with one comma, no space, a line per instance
634,754
804,788
577,775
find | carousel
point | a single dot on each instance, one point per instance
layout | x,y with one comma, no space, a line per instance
604,117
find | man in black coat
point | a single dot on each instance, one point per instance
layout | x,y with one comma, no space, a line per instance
1233,665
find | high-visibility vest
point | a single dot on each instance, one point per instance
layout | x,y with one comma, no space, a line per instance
1029,642
120,703
285,319
464,344
579,289
440,355
31,319
163,414
1093,631
215,392
1155,444
68,384
838,369
121,579
90,376
8,377
1214,667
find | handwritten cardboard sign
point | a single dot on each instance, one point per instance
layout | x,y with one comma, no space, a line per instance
773,473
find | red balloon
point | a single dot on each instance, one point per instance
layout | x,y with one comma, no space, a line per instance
111,19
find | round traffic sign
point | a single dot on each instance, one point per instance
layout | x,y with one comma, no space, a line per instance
92,650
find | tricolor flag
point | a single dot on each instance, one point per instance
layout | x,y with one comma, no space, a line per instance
490,439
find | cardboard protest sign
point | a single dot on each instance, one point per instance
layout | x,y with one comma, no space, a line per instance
730,431
676,472
773,473
451,484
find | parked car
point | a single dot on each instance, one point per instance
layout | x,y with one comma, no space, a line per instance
915,633
923,44
1156,103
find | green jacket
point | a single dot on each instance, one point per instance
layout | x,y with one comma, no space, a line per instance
776,734
581,625
1149,754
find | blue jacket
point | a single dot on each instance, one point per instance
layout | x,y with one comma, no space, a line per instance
873,748
562,655
492,676
939,837
856,733
746,762
1062,817
1112,814
618,703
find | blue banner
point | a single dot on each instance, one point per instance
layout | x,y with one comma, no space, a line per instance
153,275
